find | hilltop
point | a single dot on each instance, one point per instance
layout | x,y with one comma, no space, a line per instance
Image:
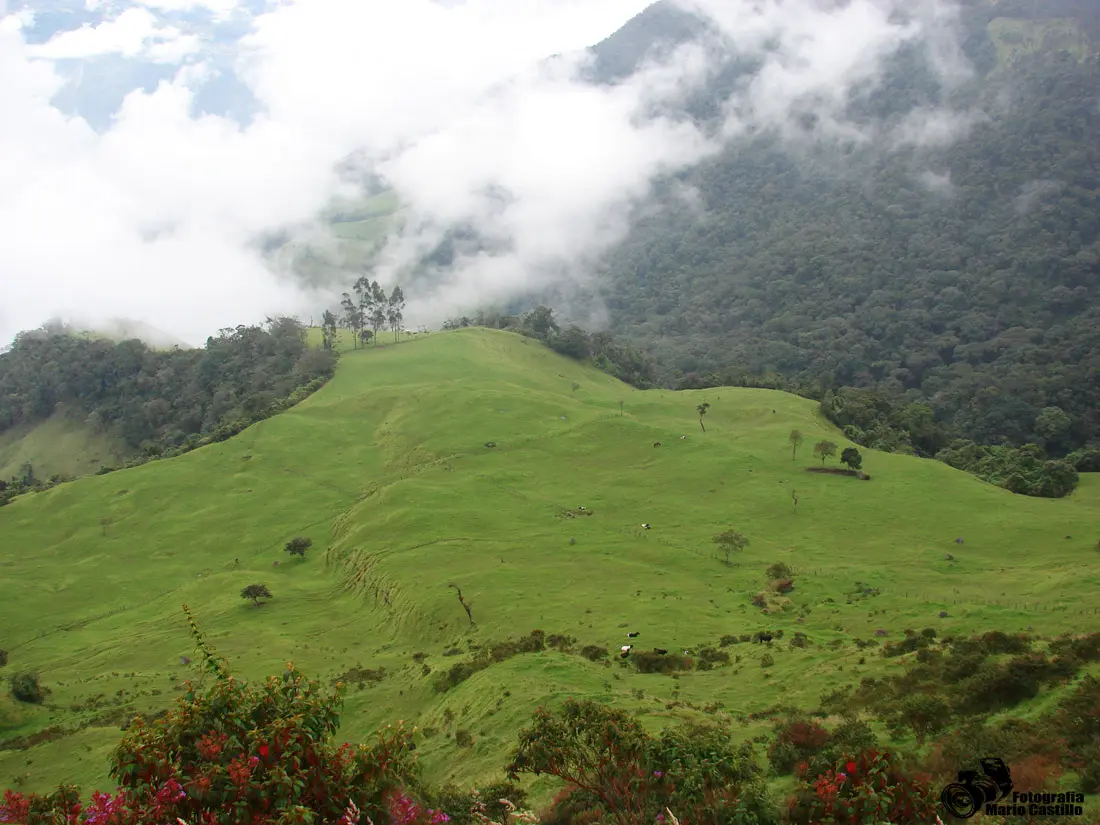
388,469
947,253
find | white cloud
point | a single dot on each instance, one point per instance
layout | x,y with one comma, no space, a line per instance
134,33
220,8
935,127
154,218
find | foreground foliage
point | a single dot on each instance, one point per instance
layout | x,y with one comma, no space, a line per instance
236,754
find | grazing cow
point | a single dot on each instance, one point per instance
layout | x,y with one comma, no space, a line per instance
645,526
633,635
683,438
626,648
656,443
582,507
959,540
660,651
764,636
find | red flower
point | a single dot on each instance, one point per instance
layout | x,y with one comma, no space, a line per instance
264,750
851,766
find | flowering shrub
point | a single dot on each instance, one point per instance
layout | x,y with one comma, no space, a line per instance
621,774
867,789
241,755
795,741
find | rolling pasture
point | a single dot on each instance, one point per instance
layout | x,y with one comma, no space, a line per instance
388,471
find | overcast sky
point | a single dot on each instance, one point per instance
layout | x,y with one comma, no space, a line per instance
154,218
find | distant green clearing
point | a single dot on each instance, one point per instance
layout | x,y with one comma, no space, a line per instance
60,446
1014,37
387,470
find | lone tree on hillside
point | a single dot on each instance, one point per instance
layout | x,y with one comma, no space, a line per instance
256,592
852,458
379,305
731,541
796,441
395,310
352,318
298,545
328,331
702,408
824,450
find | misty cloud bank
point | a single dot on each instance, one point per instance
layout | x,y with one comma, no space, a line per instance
455,106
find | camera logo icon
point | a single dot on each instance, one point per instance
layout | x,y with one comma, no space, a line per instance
973,790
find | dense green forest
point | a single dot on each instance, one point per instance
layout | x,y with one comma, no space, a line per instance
158,401
960,276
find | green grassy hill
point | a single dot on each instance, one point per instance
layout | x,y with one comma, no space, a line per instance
387,470
58,445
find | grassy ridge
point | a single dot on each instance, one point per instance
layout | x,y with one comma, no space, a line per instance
58,445
387,470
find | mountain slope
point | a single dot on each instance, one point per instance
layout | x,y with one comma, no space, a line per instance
961,268
60,445
387,469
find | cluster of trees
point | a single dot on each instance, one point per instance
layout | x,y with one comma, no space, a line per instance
876,420
962,278
158,402
369,311
601,349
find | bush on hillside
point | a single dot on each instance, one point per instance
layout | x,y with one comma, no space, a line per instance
796,740
648,662
3,657
25,687
594,653
870,787
623,775
779,570
464,806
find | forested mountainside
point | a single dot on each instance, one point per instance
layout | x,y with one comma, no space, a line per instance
157,401
964,274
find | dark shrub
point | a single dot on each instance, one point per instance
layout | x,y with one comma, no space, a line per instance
297,546
709,654
560,642
594,653
25,688
3,657
657,663
779,570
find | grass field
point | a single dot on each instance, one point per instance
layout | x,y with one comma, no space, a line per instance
387,470
58,445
